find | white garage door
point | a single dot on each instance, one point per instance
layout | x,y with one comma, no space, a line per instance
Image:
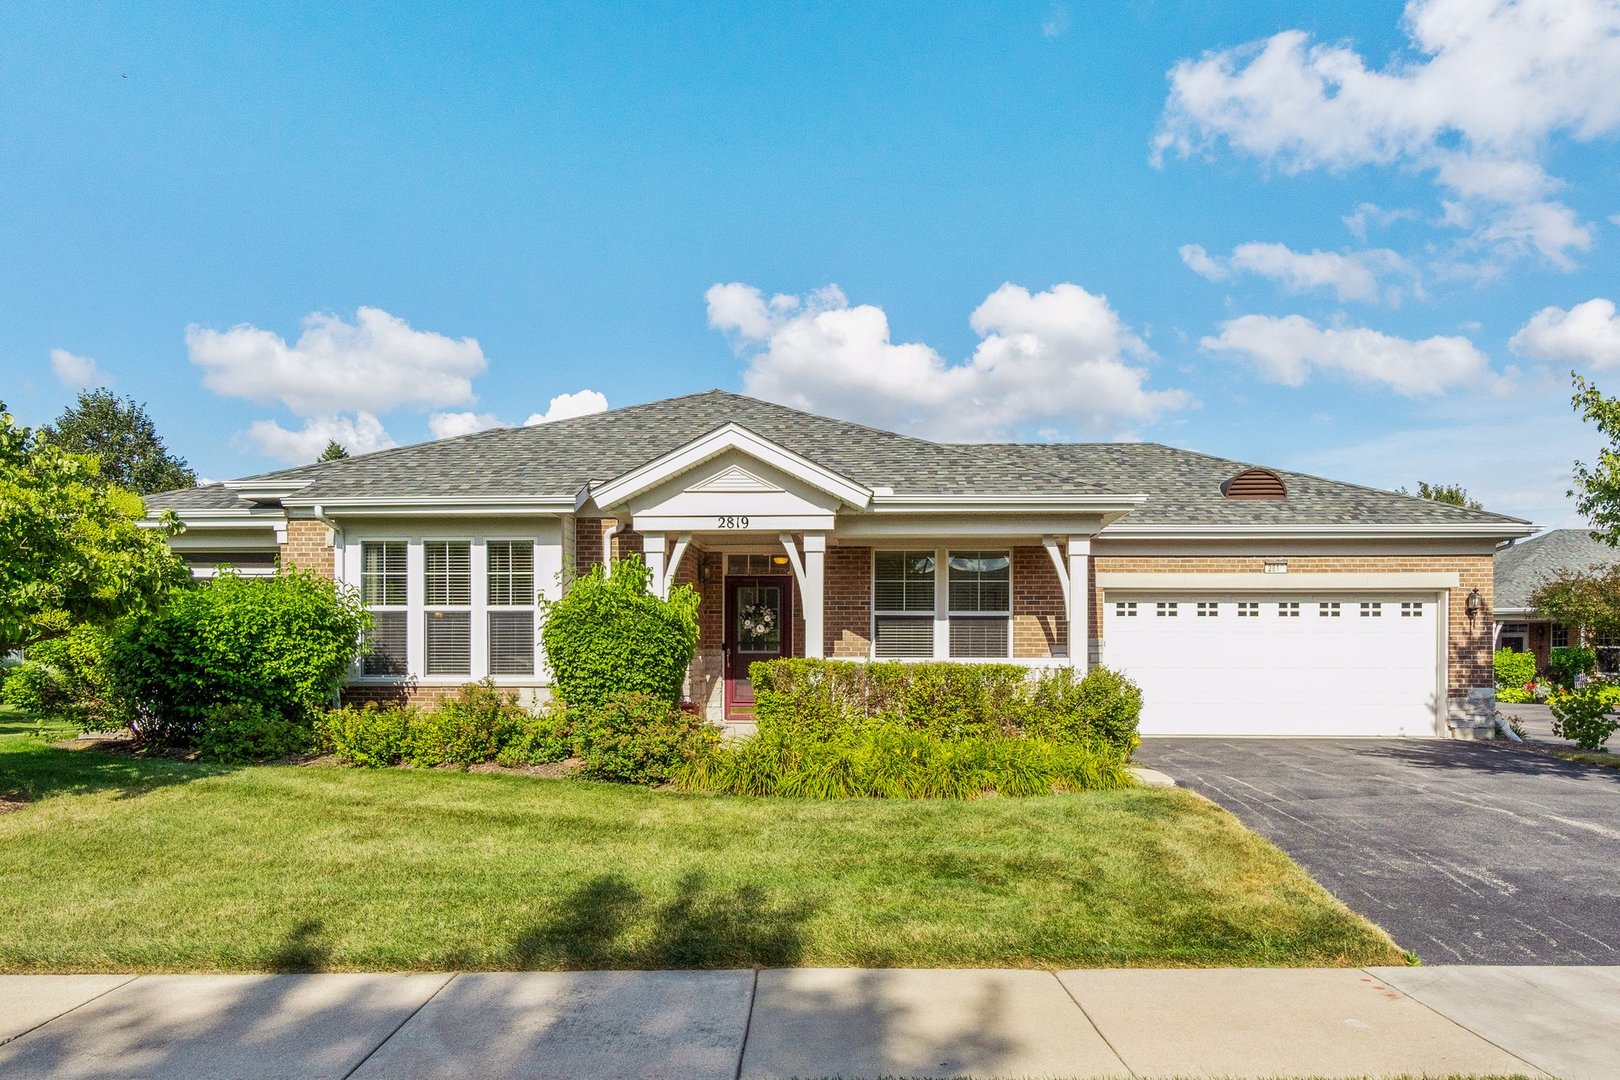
1277,664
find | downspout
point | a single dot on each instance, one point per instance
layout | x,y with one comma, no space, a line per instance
607,546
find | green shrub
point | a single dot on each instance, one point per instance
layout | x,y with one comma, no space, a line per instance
283,642
610,635
468,729
1567,663
638,739
64,679
819,700
372,736
1101,706
1514,669
1515,695
539,740
1583,716
897,764
239,731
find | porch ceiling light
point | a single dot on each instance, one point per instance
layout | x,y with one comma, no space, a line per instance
1475,603
779,560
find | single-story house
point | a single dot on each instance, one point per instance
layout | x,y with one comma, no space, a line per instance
1522,568
1244,600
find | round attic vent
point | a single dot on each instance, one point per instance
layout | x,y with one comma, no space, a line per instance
1255,484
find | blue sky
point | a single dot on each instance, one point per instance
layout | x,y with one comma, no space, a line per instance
1371,247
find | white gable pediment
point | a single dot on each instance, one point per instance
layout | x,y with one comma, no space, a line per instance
734,480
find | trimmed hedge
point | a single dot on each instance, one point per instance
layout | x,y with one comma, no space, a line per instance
480,724
823,700
1514,669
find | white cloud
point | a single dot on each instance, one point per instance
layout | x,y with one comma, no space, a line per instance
1486,86
1290,349
447,425
567,406
75,372
1353,275
374,364
359,434
1056,21
1587,333
1062,356
1367,213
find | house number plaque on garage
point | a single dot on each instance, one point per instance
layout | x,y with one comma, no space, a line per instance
732,522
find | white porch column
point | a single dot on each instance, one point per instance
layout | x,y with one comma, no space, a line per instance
815,594
1080,602
652,550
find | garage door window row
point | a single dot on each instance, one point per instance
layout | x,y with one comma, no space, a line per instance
1286,609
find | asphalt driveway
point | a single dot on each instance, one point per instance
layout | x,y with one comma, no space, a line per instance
1467,853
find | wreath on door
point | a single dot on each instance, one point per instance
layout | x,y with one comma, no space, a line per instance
758,620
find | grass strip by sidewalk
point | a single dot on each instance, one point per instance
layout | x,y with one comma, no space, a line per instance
113,863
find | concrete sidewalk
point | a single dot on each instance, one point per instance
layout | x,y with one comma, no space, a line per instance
810,1023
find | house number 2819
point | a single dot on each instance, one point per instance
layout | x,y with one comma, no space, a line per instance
733,523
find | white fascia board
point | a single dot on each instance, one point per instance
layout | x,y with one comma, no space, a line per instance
263,490
1006,503
1518,613
1326,531
458,506
269,517
1432,581
731,437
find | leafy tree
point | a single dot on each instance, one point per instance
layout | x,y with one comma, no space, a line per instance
74,549
1587,600
1451,494
118,433
334,451
1597,487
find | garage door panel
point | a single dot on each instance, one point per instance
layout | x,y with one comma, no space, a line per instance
1365,671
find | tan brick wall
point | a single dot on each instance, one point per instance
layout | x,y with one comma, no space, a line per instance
1040,623
847,608
1470,639
308,547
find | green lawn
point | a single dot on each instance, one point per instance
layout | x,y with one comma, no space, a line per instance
115,863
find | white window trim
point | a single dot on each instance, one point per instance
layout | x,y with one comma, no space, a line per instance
942,612
416,607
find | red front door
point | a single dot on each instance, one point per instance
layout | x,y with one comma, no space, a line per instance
759,626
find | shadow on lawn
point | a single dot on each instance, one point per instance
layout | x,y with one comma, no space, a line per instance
608,923
42,771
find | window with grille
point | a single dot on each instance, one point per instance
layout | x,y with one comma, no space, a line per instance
1560,636
511,643
1125,609
980,588
447,573
1411,609
387,641
1328,609
903,604
1372,610
1167,609
1288,609
1208,609
510,572
448,641
383,576
1248,609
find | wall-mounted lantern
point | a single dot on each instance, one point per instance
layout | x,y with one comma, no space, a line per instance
1475,603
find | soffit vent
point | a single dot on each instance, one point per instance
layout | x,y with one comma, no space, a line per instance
1255,484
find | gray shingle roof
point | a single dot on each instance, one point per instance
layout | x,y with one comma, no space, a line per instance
559,458
1521,568
205,497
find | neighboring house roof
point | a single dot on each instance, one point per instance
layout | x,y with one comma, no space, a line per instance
559,459
1521,568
